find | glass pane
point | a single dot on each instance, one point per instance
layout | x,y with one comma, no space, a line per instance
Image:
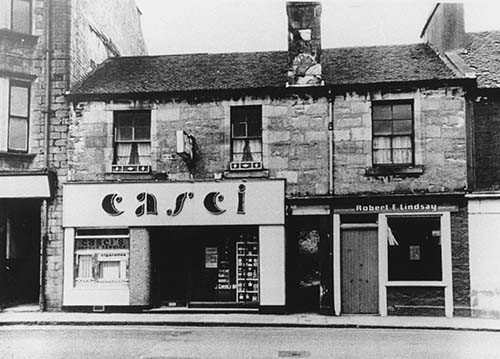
381,112
84,267
109,270
381,142
144,153
124,133
382,127
401,142
382,157
402,156
18,134
239,129
19,101
21,17
255,128
403,127
142,133
402,112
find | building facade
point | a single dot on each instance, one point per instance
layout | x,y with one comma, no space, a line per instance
45,48
325,180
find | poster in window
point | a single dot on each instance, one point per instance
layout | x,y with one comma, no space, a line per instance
211,257
414,253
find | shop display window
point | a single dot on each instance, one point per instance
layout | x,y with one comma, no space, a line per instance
101,257
414,249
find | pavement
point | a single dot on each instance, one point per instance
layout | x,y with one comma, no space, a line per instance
32,316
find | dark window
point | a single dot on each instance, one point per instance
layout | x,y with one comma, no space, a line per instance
21,16
132,138
392,133
19,108
246,133
414,248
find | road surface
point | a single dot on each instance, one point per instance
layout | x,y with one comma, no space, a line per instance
159,342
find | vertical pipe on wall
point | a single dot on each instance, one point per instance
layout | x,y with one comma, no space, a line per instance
330,143
45,206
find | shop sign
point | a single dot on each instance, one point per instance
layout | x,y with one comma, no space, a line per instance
397,207
102,243
163,204
211,257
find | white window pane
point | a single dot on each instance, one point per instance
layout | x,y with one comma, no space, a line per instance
381,157
19,101
401,142
18,134
21,17
123,151
144,152
402,156
109,270
84,267
381,142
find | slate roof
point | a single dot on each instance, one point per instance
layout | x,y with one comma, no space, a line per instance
482,55
232,71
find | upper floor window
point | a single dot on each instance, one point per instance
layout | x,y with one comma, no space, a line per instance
132,141
246,137
18,122
21,16
392,133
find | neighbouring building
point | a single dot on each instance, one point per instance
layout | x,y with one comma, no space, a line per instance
327,180
46,46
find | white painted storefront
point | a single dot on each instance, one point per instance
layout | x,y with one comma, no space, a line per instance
124,212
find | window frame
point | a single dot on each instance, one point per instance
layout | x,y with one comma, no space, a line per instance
30,16
439,277
234,116
27,86
392,135
135,116
121,255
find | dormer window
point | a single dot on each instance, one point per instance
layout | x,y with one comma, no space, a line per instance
246,137
132,141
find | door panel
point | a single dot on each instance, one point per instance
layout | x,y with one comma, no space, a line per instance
359,259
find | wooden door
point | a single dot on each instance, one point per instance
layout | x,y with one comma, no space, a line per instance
359,268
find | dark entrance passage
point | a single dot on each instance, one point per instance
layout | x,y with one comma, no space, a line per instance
205,266
309,264
19,252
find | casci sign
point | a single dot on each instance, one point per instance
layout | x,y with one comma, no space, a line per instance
174,203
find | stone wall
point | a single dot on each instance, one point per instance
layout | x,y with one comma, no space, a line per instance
439,142
295,140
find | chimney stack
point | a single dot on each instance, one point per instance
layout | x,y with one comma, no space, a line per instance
304,43
444,29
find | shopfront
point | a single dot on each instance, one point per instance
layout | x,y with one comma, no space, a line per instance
193,244
21,197
393,256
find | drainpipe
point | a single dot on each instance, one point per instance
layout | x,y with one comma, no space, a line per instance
330,143
45,205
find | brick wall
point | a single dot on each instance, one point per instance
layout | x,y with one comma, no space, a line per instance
486,143
440,135
295,140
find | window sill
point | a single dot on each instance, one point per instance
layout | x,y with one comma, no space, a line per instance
18,155
18,36
406,171
247,174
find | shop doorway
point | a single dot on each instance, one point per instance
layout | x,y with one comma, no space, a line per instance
19,252
359,270
206,266
309,265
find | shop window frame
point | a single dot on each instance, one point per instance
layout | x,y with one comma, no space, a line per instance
98,257
249,117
